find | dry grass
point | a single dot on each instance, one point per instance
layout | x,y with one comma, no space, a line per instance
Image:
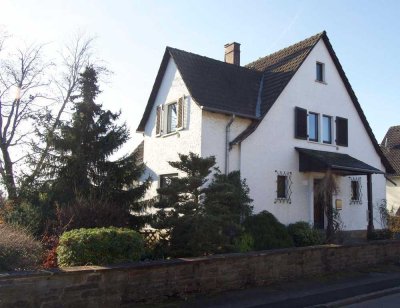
18,249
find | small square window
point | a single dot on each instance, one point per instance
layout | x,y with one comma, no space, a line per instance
313,127
327,129
320,72
171,118
165,179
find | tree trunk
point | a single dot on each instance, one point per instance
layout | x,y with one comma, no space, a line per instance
9,180
329,228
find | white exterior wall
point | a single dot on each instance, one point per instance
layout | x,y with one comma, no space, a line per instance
159,150
393,194
214,138
272,147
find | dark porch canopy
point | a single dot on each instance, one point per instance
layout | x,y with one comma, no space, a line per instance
321,161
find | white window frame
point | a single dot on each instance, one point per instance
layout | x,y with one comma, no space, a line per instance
322,128
167,118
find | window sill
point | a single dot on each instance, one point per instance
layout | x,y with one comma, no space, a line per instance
321,143
169,134
322,82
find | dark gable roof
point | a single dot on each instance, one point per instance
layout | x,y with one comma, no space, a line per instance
279,67
216,85
391,147
248,91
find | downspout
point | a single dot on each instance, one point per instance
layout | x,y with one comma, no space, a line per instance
227,133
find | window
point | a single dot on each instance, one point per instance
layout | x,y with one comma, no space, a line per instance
320,72
356,191
313,127
326,129
171,118
165,179
283,187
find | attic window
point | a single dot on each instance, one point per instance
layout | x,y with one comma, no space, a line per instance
171,118
320,72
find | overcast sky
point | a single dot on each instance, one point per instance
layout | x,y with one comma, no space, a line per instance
132,36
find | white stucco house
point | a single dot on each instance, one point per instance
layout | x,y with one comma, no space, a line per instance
391,148
282,120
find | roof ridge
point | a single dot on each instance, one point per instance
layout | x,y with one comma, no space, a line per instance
169,48
319,35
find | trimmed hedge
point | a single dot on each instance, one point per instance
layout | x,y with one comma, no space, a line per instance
99,246
304,235
267,232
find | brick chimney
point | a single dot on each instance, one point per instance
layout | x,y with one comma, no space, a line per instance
232,53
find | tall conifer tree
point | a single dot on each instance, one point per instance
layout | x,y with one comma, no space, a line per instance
83,147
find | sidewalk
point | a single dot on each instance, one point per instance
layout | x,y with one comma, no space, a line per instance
333,290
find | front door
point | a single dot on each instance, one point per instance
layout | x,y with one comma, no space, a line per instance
319,215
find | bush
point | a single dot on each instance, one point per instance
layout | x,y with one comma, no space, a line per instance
244,243
18,249
383,234
267,232
23,215
195,236
99,246
304,235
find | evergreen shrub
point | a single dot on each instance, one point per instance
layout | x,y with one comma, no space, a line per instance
244,243
99,246
304,235
267,231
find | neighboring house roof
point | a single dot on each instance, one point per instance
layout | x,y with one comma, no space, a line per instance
391,148
248,91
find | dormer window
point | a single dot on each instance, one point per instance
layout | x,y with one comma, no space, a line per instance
320,72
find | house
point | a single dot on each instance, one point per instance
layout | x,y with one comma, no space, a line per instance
391,148
283,120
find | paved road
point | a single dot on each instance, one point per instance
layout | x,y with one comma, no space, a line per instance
389,301
305,293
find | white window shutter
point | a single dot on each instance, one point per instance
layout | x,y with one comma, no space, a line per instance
181,113
158,121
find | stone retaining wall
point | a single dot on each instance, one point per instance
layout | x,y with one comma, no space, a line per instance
154,281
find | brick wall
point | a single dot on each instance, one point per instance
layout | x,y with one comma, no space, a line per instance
154,281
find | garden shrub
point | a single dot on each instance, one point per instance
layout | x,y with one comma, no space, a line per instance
23,215
267,231
244,243
380,234
304,235
99,246
18,249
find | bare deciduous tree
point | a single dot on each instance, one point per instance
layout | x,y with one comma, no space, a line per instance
29,89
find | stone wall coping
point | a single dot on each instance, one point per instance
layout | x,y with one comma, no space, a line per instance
179,261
